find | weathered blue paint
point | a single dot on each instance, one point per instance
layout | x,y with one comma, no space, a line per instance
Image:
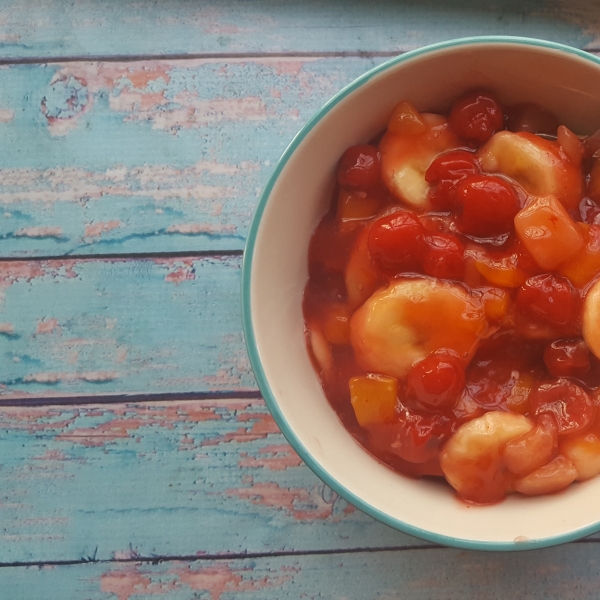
148,157
182,26
121,481
116,326
568,572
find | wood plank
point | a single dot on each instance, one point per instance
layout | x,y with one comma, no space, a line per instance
159,156
164,479
113,326
212,27
566,573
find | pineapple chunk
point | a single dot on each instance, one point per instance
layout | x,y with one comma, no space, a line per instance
374,399
548,232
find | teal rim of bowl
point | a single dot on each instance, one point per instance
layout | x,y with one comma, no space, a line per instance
252,347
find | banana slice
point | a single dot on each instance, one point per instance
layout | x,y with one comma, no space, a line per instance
401,324
406,158
472,458
539,165
591,319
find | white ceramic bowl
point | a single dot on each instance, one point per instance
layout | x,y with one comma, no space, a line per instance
562,79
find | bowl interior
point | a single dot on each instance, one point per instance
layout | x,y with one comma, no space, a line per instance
563,80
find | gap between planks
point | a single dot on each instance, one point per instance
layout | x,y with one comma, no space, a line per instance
41,60
157,559
38,401
125,255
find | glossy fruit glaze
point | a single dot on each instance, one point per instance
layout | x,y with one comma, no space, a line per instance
452,311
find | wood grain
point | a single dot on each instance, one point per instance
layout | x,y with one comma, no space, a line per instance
159,156
181,27
565,573
193,478
115,326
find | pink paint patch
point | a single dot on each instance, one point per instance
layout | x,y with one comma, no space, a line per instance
273,458
47,326
180,275
302,504
98,228
7,328
129,582
221,579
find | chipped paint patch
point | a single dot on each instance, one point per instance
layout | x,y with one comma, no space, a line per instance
98,228
39,232
47,326
274,458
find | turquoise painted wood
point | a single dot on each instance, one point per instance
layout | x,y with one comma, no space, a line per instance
106,498
165,479
86,28
148,156
100,327
566,573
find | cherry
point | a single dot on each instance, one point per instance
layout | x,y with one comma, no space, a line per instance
569,404
476,116
444,256
359,167
396,242
567,358
436,380
549,298
446,172
489,205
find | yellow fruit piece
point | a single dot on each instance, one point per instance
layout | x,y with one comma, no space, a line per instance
591,319
502,271
353,208
548,232
583,450
406,120
403,323
496,303
405,158
360,276
374,399
472,458
585,265
535,163
553,477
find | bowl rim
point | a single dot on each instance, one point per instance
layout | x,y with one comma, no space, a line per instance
248,328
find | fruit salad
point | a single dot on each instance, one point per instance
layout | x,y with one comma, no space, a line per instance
453,304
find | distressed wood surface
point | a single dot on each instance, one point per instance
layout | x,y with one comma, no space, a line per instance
194,478
102,327
159,156
127,184
156,27
564,573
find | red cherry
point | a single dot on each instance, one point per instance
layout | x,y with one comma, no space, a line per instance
549,298
489,205
444,256
476,116
445,172
359,167
436,380
570,405
396,242
567,358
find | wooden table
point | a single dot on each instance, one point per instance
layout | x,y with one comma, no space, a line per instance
137,458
